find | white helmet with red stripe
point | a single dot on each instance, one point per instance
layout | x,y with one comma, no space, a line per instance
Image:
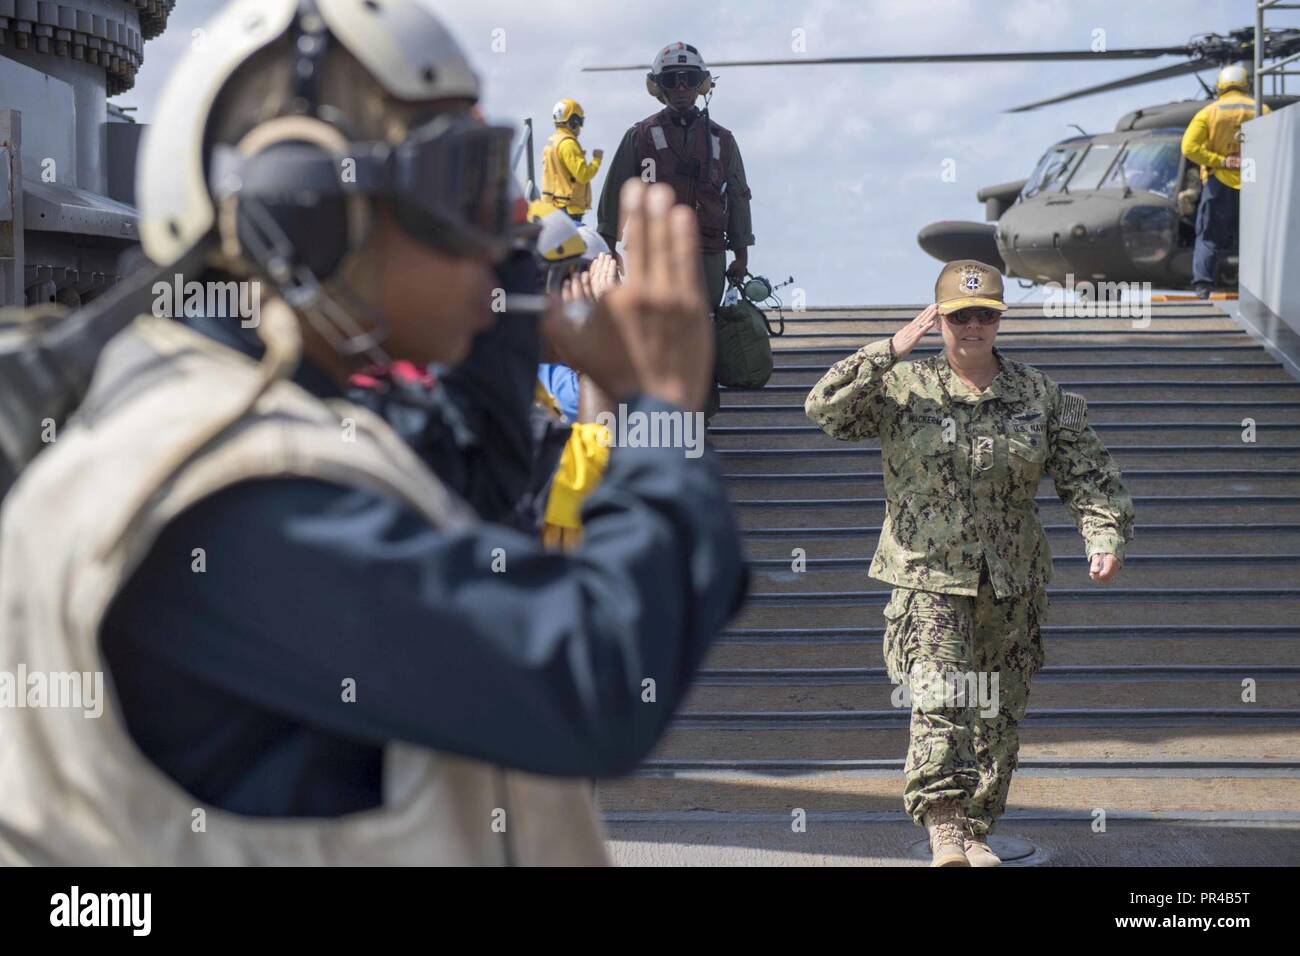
677,56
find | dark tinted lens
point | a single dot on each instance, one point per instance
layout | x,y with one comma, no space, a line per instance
684,79
983,316
487,207
453,184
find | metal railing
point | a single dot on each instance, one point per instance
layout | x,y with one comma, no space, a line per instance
1278,70
525,148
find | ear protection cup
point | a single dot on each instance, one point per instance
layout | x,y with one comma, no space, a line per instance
652,87
293,179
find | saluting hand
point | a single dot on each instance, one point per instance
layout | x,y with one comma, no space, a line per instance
905,339
604,274
1104,567
651,332
578,288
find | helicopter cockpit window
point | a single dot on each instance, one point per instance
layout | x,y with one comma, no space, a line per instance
1051,172
1088,174
1150,165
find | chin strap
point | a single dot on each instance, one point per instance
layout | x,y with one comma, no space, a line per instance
266,244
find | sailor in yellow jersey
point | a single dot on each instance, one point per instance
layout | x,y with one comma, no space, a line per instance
1213,139
566,174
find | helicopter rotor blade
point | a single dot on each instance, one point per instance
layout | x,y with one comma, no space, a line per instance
1025,56
1178,69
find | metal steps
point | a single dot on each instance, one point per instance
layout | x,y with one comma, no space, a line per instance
1112,605
1139,710
1101,413
854,788
1242,646
1161,571
1163,509
854,540
1194,734
868,689
1140,481
1112,374
1188,454
1125,440
1230,394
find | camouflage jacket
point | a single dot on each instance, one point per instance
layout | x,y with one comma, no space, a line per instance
961,469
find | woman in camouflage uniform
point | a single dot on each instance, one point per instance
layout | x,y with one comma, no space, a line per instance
965,436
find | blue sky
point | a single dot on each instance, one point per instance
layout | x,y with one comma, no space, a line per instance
845,162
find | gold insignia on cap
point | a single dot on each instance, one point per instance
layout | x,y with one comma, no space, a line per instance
972,279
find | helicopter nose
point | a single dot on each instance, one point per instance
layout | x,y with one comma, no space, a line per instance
950,240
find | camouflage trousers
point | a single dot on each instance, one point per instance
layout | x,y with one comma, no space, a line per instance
965,663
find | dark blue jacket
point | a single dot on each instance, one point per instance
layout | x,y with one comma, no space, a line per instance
231,680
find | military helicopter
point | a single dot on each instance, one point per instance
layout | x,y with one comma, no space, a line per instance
1113,207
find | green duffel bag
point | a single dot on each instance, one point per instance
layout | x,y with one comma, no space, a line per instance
743,358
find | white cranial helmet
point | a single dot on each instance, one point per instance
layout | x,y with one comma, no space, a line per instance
595,244
1233,77
401,43
677,56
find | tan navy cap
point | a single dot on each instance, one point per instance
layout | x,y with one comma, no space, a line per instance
968,283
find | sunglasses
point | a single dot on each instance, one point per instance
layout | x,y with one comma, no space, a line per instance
983,316
680,79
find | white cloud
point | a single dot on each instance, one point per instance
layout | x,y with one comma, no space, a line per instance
844,161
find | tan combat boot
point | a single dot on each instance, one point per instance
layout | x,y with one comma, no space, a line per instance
979,853
948,833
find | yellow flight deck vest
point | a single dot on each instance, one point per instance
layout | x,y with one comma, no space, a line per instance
173,417
582,465
561,184
1215,134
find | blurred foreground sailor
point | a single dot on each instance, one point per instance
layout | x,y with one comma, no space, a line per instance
318,653
965,436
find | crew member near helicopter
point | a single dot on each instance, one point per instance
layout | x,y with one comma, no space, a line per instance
965,436
1213,139
566,174
682,146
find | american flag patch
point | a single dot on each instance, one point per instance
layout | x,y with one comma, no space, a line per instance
1074,411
